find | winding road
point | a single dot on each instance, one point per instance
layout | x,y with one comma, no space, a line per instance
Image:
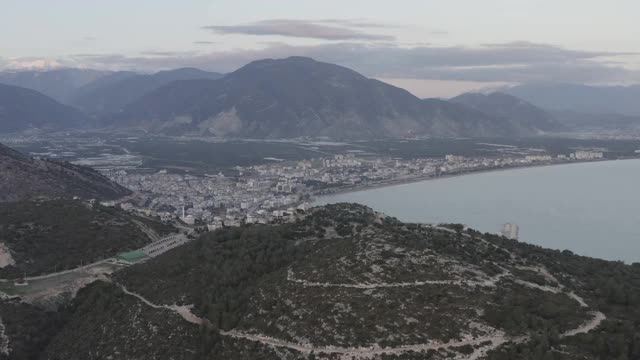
493,341
490,282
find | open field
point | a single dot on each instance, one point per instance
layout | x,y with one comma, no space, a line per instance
208,156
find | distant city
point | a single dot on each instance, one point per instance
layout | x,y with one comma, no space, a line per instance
272,192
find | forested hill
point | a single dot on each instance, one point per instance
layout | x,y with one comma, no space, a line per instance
344,282
41,237
25,178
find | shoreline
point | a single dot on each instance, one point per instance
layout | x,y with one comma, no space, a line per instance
537,233
396,182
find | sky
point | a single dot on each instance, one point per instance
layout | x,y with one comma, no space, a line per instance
430,47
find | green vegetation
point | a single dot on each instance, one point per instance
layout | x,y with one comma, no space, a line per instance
131,324
346,276
520,310
159,227
200,156
136,331
29,329
49,236
238,279
217,273
611,287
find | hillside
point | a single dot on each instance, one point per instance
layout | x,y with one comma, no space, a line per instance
522,115
348,283
24,109
25,329
24,178
40,237
295,97
111,94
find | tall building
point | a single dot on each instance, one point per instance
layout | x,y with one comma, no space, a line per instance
510,231
454,158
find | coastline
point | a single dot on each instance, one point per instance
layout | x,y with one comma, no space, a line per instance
558,213
396,182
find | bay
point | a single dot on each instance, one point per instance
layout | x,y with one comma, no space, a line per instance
592,209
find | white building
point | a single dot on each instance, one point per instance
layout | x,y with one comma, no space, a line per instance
533,158
454,158
189,219
510,231
214,226
588,155
429,170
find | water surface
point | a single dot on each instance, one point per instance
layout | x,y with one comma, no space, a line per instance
592,209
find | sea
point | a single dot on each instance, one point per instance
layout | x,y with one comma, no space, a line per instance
592,209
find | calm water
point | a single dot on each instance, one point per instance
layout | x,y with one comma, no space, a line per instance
592,209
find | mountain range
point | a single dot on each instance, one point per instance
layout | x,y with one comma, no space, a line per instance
580,98
25,178
59,84
298,97
113,92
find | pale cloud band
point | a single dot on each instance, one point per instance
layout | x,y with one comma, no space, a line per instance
330,29
512,62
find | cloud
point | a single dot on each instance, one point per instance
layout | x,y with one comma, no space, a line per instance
516,62
332,29
358,23
166,53
33,63
204,42
512,62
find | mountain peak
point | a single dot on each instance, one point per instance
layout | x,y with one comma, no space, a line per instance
290,59
295,63
299,96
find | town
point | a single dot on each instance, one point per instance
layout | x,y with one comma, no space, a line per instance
276,191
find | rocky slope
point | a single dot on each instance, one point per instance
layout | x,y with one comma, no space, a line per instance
296,97
24,178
